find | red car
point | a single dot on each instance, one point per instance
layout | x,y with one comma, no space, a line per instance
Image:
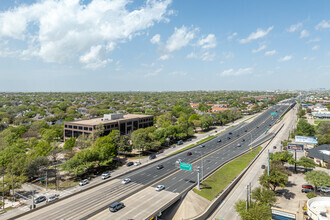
189,154
307,186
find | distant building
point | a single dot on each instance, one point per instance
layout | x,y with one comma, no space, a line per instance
320,154
117,121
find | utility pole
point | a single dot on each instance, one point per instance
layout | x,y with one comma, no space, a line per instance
198,178
32,199
268,164
3,190
46,179
247,197
12,183
295,158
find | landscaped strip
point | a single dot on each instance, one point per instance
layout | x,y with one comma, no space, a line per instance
205,139
218,181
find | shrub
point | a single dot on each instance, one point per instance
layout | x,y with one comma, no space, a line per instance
310,195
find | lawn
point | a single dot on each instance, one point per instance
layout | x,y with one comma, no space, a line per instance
319,121
216,183
205,139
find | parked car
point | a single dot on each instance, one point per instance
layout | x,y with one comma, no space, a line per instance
52,198
83,182
189,153
40,199
160,187
116,206
105,175
180,142
129,164
137,163
324,189
161,151
160,166
307,186
125,181
303,190
152,156
174,146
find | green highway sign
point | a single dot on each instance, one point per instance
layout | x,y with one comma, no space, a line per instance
185,166
267,129
273,113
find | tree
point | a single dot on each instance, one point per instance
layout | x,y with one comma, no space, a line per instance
263,196
301,113
206,122
275,179
69,143
306,163
98,131
37,166
203,107
284,156
317,178
254,212
304,128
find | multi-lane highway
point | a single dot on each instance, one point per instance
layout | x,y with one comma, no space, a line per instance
139,196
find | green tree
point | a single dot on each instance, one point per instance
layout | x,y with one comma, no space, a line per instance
306,163
275,179
284,156
69,143
254,212
317,178
264,196
301,113
206,122
304,128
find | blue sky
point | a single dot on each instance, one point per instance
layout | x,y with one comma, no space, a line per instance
158,45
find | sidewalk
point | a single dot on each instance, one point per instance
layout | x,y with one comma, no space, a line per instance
115,173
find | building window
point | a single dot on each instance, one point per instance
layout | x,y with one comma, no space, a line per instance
86,128
80,128
90,129
70,126
65,126
74,127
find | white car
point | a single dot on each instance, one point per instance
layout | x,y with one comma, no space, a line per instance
137,163
178,161
52,198
160,187
105,175
83,182
125,181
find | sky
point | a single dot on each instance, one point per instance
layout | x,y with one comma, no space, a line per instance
163,45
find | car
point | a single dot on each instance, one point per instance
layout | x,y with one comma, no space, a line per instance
152,156
228,138
180,142
114,207
215,131
274,147
324,189
238,145
189,153
129,164
257,126
237,135
52,198
83,182
126,180
40,199
270,125
105,175
178,161
303,190
219,140
230,133
137,163
174,146
245,130
243,140
307,186
161,151
160,187
160,166
263,166
202,145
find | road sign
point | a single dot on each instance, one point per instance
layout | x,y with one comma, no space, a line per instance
295,147
267,129
273,113
185,166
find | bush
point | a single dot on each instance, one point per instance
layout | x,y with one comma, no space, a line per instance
310,195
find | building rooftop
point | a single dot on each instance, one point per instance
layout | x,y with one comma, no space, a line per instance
321,152
97,121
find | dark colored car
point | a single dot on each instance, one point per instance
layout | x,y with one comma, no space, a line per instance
257,126
263,166
228,138
116,206
129,164
180,142
274,147
243,140
307,186
161,151
152,156
245,130
303,190
40,199
230,133
219,140
189,153
160,166
237,135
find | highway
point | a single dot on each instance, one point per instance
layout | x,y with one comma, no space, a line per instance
139,196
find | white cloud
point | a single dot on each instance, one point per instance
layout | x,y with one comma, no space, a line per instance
180,38
270,53
155,39
164,57
304,33
316,47
294,27
262,47
209,42
191,55
228,55
65,30
178,73
260,33
207,56
154,73
309,58
285,58
314,40
322,25
230,37
239,72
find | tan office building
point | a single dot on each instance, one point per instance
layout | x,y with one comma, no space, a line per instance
124,123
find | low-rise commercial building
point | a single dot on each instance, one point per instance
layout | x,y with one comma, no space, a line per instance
126,124
320,154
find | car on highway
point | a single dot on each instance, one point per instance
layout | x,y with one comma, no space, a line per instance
52,198
237,135
230,133
303,190
160,166
189,153
105,175
114,207
160,187
83,182
238,145
307,186
126,180
274,147
202,145
257,126
263,166
129,164
152,156
245,130
180,142
228,138
178,161
219,140
40,199
137,163
243,140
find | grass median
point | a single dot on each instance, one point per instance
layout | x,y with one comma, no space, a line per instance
219,180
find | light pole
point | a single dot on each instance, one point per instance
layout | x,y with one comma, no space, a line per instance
201,163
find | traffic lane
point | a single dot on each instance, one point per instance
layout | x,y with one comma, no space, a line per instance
139,205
